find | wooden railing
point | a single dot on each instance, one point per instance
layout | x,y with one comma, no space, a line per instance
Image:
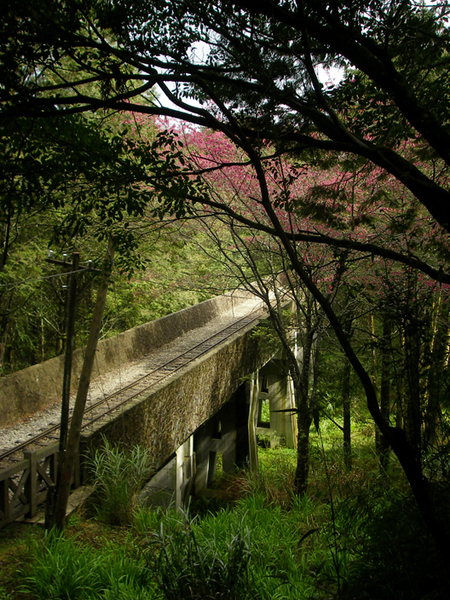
24,486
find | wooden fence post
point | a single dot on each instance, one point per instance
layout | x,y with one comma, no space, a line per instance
31,483
4,499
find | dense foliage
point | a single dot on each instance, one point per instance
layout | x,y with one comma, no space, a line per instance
69,185
354,537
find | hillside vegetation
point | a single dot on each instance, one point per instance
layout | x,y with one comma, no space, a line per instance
355,536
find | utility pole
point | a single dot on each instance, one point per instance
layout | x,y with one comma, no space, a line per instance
57,504
71,304
65,402
68,357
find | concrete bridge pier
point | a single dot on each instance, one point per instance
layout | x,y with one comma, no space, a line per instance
172,484
275,426
229,438
222,443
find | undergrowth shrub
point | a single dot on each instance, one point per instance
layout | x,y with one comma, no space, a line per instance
192,566
5,594
259,549
289,549
118,474
61,570
148,519
390,551
228,489
356,537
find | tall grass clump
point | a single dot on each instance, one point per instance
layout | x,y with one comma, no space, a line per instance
192,566
253,549
290,550
275,477
118,474
61,568
146,520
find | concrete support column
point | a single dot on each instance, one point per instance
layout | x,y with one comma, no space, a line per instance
185,472
172,484
253,417
281,399
224,441
276,388
229,438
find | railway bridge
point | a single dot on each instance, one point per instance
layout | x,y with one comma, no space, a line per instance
199,382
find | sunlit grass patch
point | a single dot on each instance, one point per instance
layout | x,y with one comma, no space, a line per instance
275,476
64,567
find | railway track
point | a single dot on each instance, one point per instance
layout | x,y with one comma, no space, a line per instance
162,369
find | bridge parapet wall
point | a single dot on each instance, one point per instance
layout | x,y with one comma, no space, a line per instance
29,390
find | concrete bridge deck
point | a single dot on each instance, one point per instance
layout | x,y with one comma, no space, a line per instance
107,382
31,390
187,421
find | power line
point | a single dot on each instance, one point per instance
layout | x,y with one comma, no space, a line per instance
26,281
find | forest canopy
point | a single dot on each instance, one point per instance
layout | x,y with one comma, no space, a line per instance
260,78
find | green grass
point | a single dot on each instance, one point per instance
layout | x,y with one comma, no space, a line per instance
355,536
63,568
196,561
118,475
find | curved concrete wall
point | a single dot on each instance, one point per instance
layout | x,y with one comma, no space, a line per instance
27,391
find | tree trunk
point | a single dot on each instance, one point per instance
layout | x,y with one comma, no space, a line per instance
395,437
382,444
302,468
253,422
347,416
3,340
304,417
436,382
420,486
346,402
